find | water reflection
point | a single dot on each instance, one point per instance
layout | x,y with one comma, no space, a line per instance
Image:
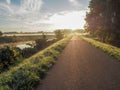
22,46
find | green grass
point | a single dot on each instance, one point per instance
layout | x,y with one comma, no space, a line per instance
31,71
109,49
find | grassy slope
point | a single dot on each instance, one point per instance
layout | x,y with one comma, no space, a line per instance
109,49
30,72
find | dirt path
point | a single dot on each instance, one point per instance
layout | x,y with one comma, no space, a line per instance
83,67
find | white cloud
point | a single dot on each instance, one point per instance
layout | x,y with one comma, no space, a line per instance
31,5
72,0
6,8
28,11
28,15
75,2
26,7
8,1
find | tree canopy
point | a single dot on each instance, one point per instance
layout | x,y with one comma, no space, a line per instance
1,33
103,20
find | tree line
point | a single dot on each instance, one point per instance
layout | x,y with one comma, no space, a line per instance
102,21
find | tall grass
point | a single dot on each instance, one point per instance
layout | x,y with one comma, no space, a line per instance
29,73
109,49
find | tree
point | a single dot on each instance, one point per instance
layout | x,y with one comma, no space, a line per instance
41,43
59,34
44,36
1,33
103,20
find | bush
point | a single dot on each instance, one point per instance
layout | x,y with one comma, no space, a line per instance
58,48
9,56
27,52
54,54
40,43
24,80
59,34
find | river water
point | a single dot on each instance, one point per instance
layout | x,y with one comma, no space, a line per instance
22,46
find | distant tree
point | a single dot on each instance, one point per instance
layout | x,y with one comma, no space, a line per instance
59,34
44,36
41,42
79,31
67,31
1,33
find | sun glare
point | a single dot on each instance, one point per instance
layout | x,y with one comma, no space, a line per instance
70,20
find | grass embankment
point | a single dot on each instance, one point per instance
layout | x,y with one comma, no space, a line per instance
109,49
29,73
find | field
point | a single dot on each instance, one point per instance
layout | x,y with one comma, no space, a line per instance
27,34
17,39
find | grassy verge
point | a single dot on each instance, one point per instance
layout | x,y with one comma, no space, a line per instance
109,49
29,73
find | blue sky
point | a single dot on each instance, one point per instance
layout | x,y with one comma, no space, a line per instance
42,15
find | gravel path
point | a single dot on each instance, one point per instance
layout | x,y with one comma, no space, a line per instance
83,67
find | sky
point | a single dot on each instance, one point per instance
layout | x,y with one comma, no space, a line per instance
42,15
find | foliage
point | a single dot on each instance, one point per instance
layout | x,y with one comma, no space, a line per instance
28,74
109,49
59,34
79,31
9,56
7,39
1,33
103,20
41,43
27,52
67,31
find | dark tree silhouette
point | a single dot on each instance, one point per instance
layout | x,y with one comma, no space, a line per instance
103,20
1,33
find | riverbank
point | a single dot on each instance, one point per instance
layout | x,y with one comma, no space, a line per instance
16,43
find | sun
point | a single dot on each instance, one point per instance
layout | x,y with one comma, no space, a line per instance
70,20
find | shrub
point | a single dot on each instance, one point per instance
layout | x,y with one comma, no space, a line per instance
27,52
9,56
59,34
53,53
40,43
58,48
24,80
